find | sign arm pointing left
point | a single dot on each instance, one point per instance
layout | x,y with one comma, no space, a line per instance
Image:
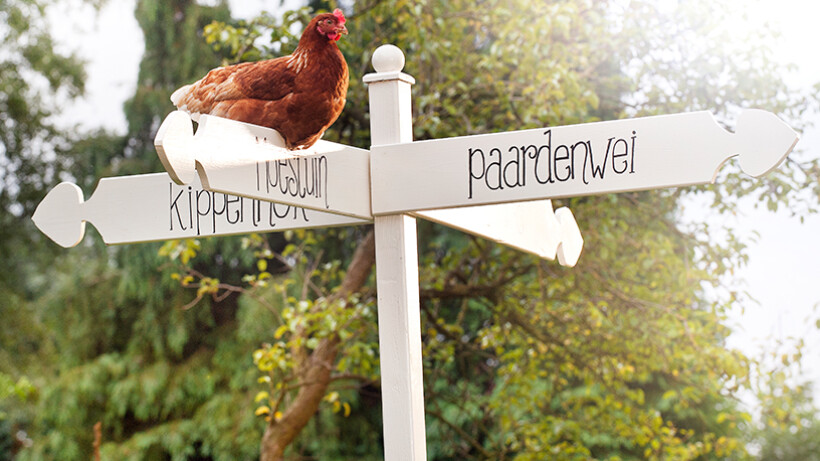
149,207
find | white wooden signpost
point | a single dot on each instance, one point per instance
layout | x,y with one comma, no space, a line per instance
567,161
231,177
251,161
148,207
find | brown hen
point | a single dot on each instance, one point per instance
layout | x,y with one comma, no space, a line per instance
299,95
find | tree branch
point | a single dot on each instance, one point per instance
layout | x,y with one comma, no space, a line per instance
316,369
464,435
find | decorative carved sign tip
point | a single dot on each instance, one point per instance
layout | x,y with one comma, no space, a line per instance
763,141
150,207
58,215
531,227
571,241
174,142
251,161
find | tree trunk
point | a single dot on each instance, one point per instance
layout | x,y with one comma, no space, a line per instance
316,371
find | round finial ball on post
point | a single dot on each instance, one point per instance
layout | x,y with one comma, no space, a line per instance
388,58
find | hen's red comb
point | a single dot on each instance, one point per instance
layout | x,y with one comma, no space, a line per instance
339,15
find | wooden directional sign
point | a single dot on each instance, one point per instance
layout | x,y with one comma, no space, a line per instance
150,207
469,183
251,161
142,208
531,227
575,160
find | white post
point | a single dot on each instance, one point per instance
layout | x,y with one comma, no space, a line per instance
397,274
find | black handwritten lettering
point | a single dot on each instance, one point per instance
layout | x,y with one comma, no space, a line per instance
515,163
470,154
273,207
256,211
497,165
229,199
216,211
199,212
211,213
568,167
489,168
537,154
596,170
303,177
190,208
291,186
174,209
617,155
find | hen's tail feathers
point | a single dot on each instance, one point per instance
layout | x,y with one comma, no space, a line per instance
178,96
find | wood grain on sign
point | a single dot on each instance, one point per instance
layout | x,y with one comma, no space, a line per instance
251,161
531,227
151,207
593,158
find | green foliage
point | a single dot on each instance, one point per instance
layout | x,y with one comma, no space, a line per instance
183,350
160,379
579,369
35,79
622,357
303,312
175,55
115,346
21,389
789,418
37,76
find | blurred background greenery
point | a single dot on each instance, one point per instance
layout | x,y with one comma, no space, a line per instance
622,357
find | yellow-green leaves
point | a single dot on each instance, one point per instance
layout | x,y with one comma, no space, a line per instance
337,404
272,358
184,250
23,389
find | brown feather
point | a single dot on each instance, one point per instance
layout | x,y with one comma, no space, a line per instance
299,95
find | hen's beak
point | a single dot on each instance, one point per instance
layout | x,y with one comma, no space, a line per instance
341,30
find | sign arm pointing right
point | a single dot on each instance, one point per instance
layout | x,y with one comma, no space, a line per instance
574,160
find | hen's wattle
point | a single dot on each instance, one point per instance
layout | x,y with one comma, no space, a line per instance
299,95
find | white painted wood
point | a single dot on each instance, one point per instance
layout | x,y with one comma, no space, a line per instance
531,227
251,161
571,241
149,207
615,156
526,224
400,338
397,274
59,216
389,95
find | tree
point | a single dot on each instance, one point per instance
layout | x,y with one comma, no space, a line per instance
162,382
501,382
32,76
34,79
273,338
789,419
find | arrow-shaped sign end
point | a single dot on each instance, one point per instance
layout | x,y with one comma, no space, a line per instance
173,143
569,250
58,215
764,141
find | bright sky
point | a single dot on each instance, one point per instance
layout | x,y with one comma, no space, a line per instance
783,273
784,265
